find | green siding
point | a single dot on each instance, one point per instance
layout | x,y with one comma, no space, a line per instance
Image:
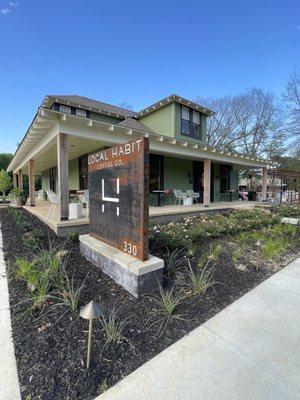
105,118
161,121
45,180
74,174
176,173
177,129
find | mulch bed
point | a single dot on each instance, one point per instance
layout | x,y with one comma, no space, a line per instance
50,346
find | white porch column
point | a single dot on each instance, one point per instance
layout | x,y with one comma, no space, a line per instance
20,179
264,183
206,182
15,181
63,175
31,183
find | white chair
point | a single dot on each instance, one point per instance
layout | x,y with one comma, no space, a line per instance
54,200
40,194
193,195
179,195
85,198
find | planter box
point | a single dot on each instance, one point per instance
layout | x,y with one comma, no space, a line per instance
188,201
75,210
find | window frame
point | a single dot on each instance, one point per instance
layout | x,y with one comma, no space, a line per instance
80,110
63,109
191,123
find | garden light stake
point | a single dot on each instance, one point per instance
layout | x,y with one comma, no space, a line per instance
90,311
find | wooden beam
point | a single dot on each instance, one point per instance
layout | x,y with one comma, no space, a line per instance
31,182
63,175
20,179
264,183
15,180
206,182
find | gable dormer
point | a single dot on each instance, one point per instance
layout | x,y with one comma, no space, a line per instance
178,118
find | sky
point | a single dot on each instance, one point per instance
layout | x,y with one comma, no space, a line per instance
138,52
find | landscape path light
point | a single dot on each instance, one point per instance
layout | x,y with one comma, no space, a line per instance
259,245
90,311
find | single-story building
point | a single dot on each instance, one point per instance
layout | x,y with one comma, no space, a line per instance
66,129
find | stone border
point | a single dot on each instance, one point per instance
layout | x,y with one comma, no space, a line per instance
9,384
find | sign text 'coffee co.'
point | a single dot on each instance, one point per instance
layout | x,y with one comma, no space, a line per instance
118,186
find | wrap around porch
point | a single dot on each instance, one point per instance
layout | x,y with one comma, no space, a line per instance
156,214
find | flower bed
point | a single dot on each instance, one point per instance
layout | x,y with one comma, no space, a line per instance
49,281
290,211
192,230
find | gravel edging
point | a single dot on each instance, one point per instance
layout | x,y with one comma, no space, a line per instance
9,384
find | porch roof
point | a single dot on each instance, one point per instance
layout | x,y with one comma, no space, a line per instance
42,133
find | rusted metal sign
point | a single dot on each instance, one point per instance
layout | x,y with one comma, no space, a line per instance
118,188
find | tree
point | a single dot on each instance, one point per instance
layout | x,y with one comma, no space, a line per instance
5,182
250,123
5,159
291,98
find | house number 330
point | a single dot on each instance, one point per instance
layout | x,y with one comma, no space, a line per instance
130,248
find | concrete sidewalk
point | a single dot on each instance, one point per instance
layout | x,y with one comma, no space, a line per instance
9,384
249,351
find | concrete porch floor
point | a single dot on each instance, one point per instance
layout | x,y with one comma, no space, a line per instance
156,214
61,228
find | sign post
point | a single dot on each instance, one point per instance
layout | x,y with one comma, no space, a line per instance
118,191
118,214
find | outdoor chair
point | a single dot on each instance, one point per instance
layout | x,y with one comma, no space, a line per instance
40,194
179,195
54,200
193,195
85,198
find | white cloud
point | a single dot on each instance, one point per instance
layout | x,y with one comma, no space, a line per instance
5,11
8,10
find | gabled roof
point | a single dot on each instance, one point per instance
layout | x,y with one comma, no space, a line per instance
88,104
170,99
135,124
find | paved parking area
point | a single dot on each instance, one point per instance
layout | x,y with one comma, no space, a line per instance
249,351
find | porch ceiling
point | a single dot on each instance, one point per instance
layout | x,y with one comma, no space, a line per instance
77,147
88,135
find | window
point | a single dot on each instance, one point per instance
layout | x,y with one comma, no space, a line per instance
156,172
80,113
225,177
65,109
190,122
185,120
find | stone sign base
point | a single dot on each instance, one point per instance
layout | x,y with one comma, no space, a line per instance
136,276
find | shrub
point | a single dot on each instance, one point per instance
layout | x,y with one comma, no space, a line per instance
193,230
210,255
113,328
32,239
73,236
289,211
172,260
199,282
166,302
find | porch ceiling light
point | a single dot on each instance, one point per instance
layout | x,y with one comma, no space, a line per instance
90,311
